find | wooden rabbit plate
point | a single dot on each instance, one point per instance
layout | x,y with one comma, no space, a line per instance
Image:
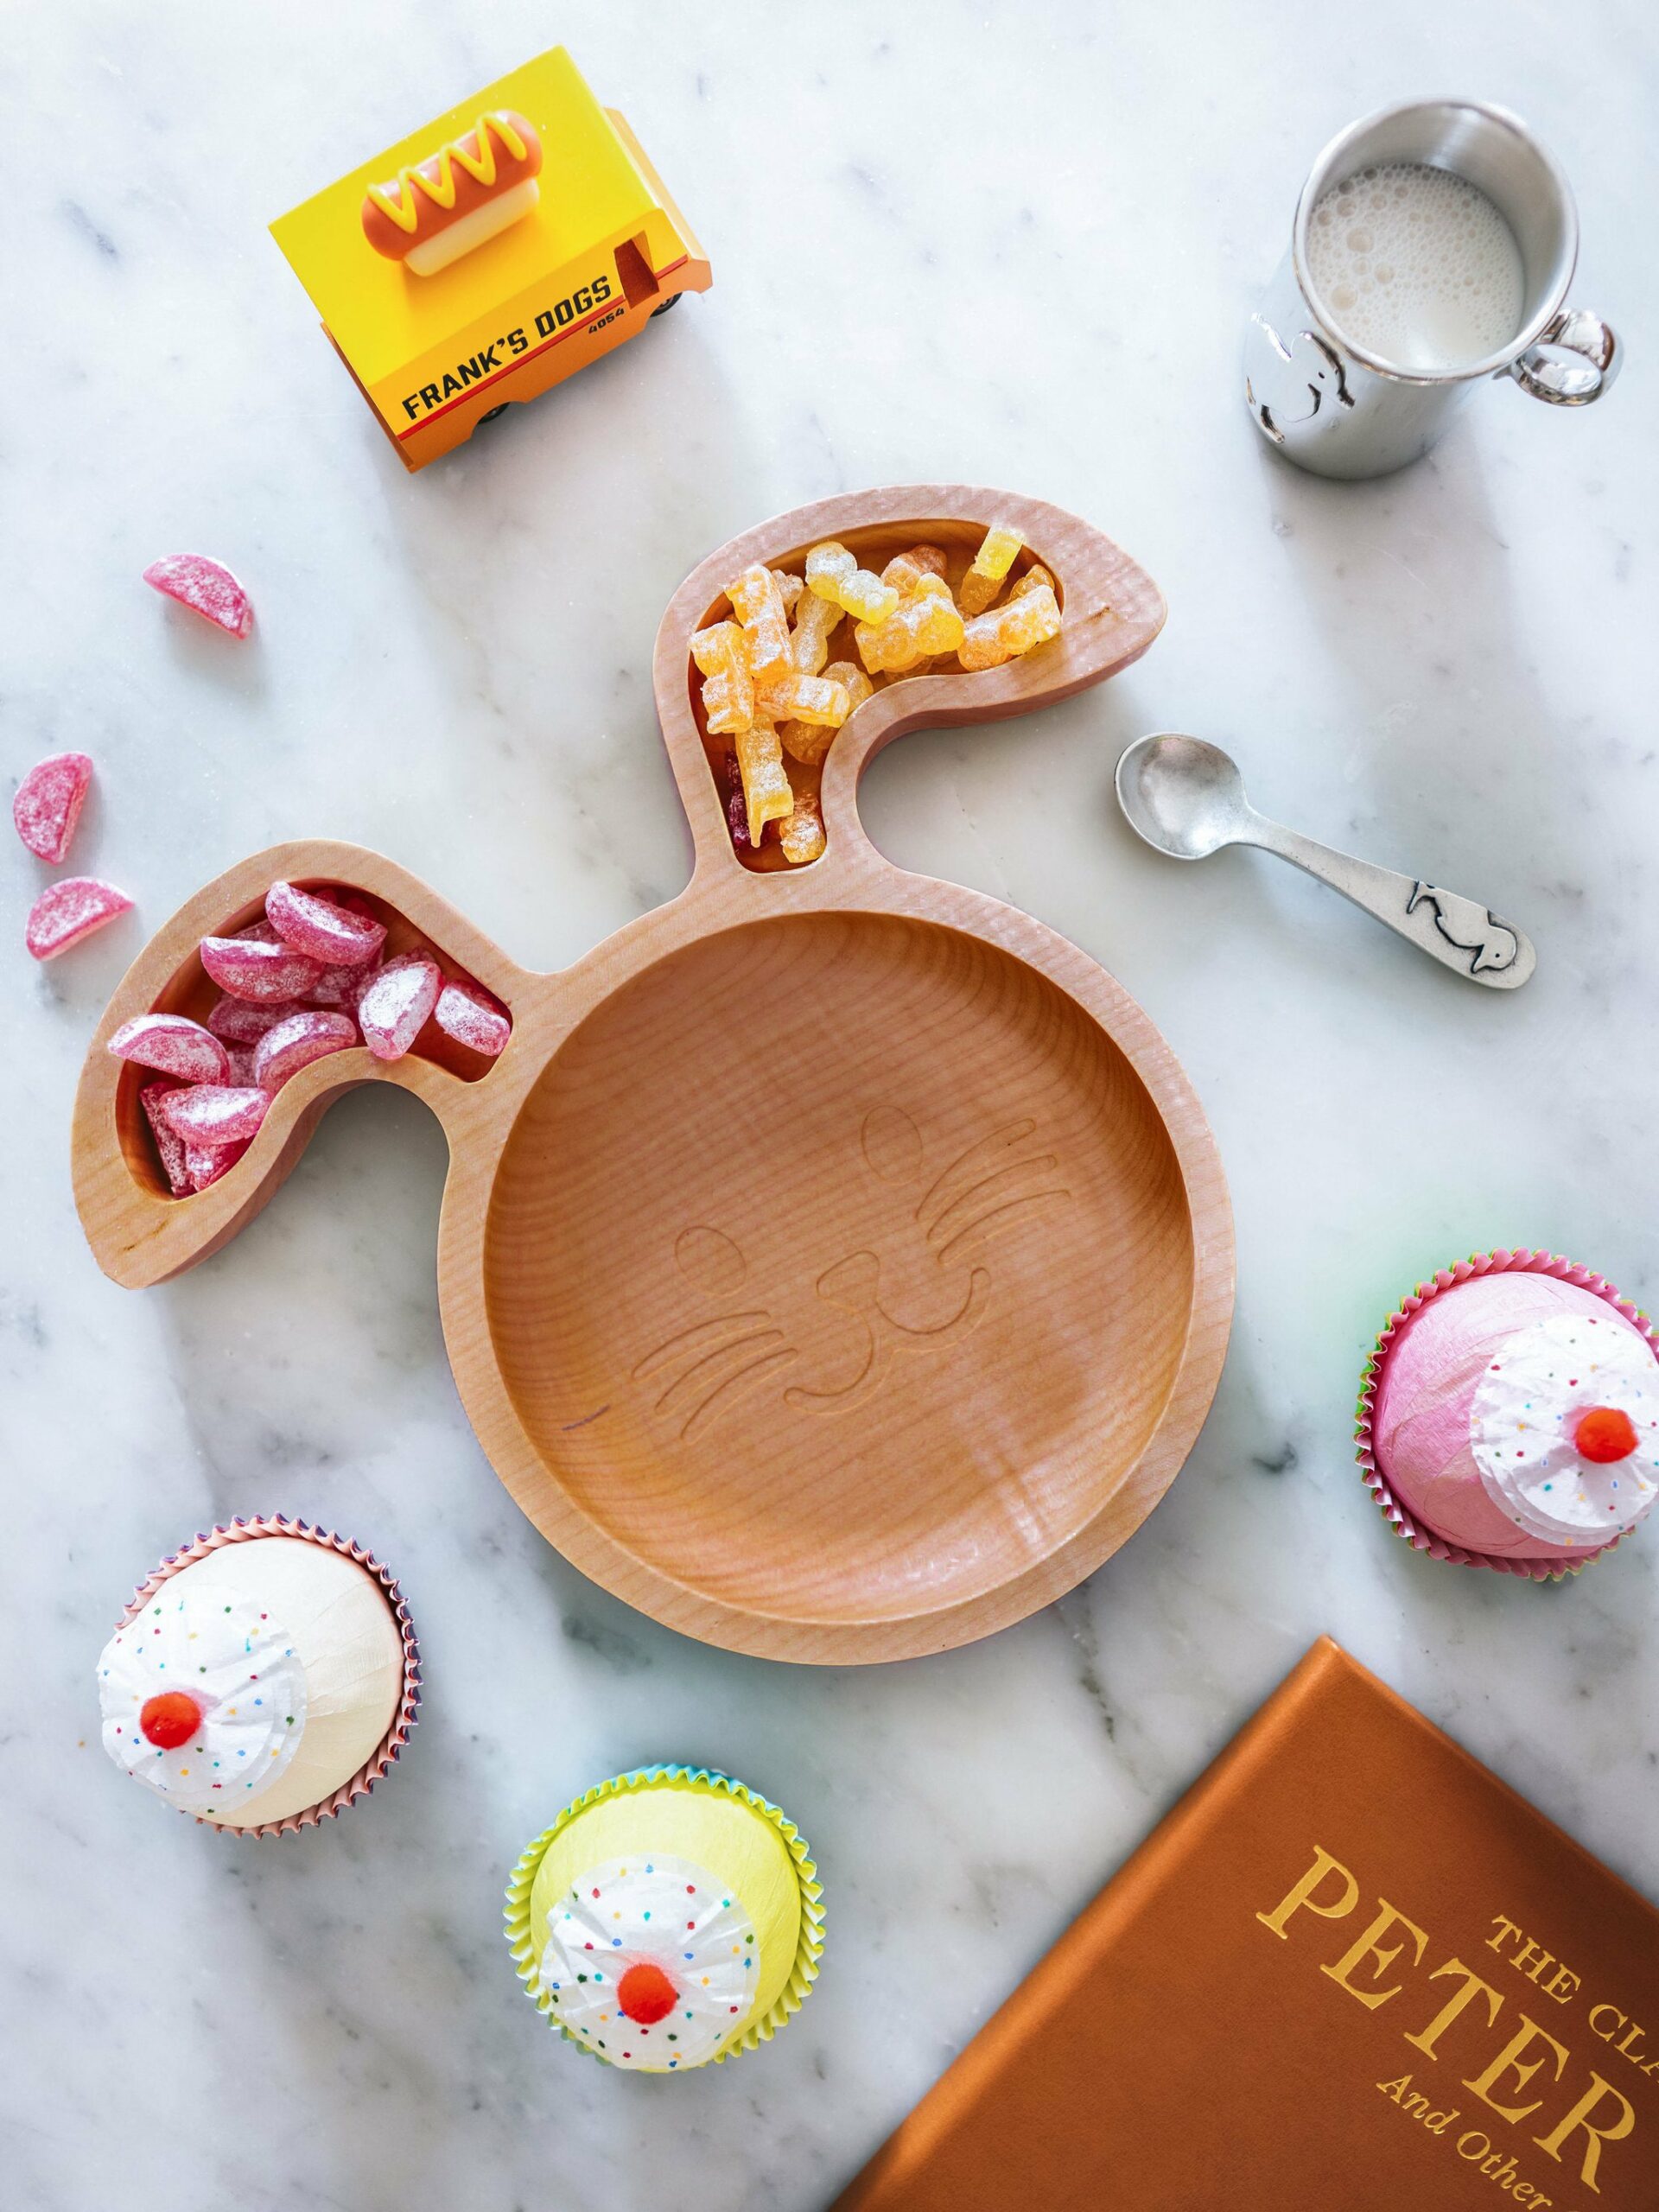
836,1264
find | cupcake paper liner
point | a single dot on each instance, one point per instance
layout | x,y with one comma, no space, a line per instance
240,1531
1396,1514
809,1948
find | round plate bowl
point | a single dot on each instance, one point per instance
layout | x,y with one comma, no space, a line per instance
835,1264
839,1267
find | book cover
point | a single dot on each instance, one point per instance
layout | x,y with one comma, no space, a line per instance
1351,1970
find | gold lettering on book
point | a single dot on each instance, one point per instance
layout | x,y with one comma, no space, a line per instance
1518,2080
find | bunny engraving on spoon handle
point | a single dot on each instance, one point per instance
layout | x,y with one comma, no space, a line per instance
1458,932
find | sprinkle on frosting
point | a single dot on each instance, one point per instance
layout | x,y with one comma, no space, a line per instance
216,1652
652,1963
1564,1430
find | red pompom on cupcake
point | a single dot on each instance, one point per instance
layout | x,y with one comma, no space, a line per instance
1509,1417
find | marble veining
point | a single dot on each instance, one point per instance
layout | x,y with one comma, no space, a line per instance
1012,247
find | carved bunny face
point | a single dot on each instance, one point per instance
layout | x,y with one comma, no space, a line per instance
921,1288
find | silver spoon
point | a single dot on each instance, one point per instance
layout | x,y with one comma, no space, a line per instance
1186,798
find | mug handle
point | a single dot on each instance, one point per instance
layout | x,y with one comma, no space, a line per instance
1564,384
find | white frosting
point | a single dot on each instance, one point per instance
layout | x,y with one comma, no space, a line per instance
239,1664
346,1647
1526,1411
673,1915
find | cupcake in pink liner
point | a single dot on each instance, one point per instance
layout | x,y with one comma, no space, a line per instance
263,1678
1509,1417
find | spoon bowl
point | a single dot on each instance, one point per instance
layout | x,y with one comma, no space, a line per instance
1184,796
1185,799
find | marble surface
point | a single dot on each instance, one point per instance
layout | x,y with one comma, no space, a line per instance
1011,247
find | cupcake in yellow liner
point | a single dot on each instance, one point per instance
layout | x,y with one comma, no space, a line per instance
669,1917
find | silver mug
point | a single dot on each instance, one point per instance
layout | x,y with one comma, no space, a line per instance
1332,406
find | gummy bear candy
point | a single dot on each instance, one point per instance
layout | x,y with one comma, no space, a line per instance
991,563
833,572
802,836
807,698
737,811
1035,577
926,622
809,642
767,795
174,1044
906,571
48,801
1008,630
397,1004
728,694
207,586
808,742
318,927
790,588
759,605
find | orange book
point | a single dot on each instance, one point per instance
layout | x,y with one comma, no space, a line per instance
1351,1970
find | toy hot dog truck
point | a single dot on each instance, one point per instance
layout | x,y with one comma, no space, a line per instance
491,253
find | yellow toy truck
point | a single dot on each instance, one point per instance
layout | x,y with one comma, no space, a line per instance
491,254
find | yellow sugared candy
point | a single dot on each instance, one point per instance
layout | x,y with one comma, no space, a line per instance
759,606
808,742
834,574
806,698
728,694
766,793
790,588
906,571
1035,576
927,621
1008,630
802,836
991,563
809,643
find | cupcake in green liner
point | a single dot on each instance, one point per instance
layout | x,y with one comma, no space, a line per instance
669,1917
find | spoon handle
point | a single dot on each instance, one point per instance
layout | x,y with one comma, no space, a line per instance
1460,933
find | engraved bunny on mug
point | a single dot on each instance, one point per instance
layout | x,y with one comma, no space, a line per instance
1285,384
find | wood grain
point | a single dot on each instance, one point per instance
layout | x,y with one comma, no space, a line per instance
836,1264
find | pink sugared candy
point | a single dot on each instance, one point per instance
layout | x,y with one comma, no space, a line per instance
206,1163
48,803
239,1021
329,933
205,586
249,967
67,911
339,988
293,1044
472,1018
397,1005
174,1044
215,1114
169,1144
